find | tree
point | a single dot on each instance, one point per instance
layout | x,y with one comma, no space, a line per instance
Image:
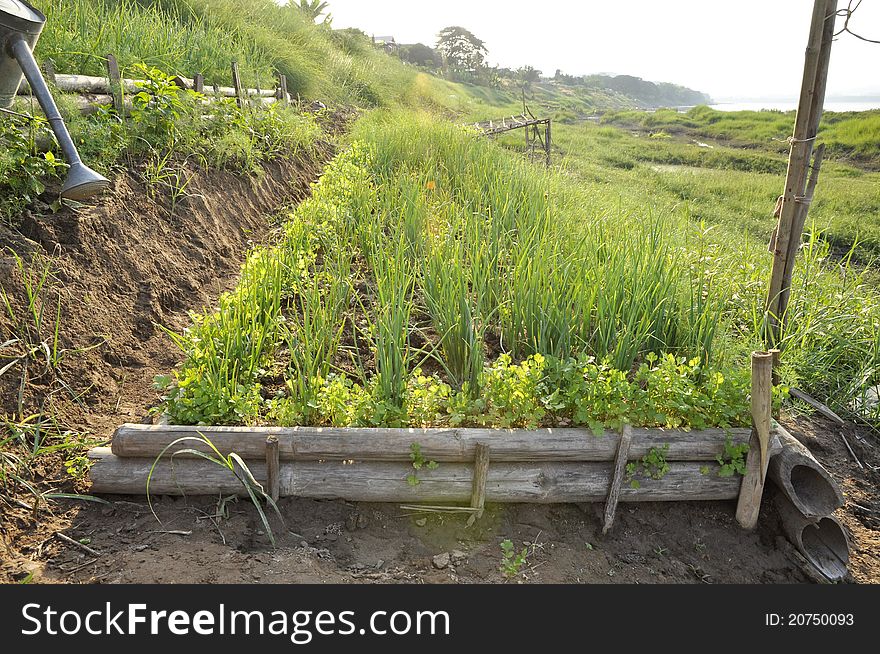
528,75
461,50
312,9
421,55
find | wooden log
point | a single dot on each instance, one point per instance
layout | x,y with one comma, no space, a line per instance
752,489
86,84
617,478
387,482
803,480
453,444
273,465
114,79
822,542
481,474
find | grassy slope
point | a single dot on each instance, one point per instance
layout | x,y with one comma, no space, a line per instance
188,36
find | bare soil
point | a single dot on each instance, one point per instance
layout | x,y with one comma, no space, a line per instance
126,265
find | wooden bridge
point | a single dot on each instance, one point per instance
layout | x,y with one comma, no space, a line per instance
535,140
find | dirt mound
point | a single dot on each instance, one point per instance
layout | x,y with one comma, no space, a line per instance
125,265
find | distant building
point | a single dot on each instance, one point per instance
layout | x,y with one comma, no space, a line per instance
387,43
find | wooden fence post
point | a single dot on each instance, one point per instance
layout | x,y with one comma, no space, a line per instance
481,474
116,88
273,468
752,487
199,83
49,71
236,83
547,142
282,89
619,472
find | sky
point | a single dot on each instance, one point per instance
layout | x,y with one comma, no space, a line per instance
731,49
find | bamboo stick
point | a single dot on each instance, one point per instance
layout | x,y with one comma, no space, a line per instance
806,126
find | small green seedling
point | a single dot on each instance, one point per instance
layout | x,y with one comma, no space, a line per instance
732,461
653,464
418,462
511,560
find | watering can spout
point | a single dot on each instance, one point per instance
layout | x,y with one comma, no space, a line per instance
20,27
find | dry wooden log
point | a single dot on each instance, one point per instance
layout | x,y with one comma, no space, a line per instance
101,86
388,444
803,479
822,542
387,482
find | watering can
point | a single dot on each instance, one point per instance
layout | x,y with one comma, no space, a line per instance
20,27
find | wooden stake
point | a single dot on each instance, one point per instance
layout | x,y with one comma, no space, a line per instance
617,477
199,83
805,130
547,142
236,84
282,89
273,468
115,78
49,71
481,474
752,488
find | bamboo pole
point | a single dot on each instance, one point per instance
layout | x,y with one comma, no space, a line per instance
809,112
752,489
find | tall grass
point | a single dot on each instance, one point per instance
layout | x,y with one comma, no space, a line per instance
184,37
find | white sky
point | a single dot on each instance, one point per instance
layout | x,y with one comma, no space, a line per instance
747,49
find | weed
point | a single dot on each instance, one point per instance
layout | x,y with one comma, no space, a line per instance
512,560
233,463
732,460
418,462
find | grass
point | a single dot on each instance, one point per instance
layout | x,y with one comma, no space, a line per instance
847,135
524,291
730,187
183,37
